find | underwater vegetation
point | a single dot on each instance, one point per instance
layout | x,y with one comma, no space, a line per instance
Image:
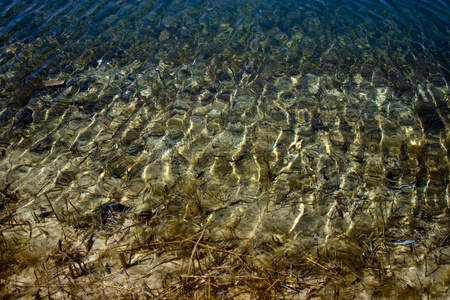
224,150
175,251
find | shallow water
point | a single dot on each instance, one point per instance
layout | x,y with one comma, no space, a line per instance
311,120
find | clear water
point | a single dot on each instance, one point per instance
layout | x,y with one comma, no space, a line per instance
305,122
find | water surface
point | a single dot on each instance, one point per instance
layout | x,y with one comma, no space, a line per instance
307,121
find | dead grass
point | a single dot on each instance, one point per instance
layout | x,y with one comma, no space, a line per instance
120,254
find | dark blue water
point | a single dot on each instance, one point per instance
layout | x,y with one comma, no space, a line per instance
397,33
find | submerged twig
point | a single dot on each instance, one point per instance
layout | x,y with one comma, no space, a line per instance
195,248
54,211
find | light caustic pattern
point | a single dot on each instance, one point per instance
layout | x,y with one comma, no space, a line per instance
277,121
